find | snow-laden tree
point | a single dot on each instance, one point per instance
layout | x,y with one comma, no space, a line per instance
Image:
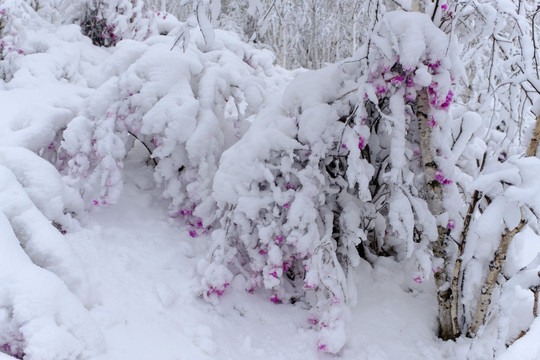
374,162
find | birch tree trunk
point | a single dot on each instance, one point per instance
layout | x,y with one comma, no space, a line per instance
434,194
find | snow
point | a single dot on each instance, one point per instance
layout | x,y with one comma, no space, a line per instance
97,264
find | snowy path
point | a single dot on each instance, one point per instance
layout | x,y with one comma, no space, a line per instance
141,268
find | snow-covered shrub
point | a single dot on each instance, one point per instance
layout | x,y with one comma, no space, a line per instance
44,285
292,196
107,22
358,161
184,107
39,317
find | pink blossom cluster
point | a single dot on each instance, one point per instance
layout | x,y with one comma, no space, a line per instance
7,47
435,97
218,290
6,349
439,176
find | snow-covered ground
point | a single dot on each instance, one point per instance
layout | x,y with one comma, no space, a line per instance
141,267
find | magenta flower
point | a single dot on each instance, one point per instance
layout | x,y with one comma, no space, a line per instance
409,82
263,252
20,52
448,100
439,176
451,224
2,12
361,143
397,80
275,299
313,321
279,240
381,89
287,205
192,233
274,274
432,123
322,347
95,202
418,280
344,146
6,348
444,7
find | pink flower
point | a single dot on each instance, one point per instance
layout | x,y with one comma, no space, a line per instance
432,123
286,266
439,176
451,224
287,205
344,146
275,299
397,80
20,52
51,146
2,12
192,233
361,143
279,240
380,89
322,347
313,321
410,98
418,280
409,82
199,224
444,7
274,274
263,252
95,202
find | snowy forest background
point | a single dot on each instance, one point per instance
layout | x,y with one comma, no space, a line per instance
261,179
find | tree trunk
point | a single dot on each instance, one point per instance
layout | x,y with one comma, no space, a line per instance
494,270
434,199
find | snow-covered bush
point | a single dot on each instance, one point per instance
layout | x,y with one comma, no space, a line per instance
184,107
107,22
356,161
